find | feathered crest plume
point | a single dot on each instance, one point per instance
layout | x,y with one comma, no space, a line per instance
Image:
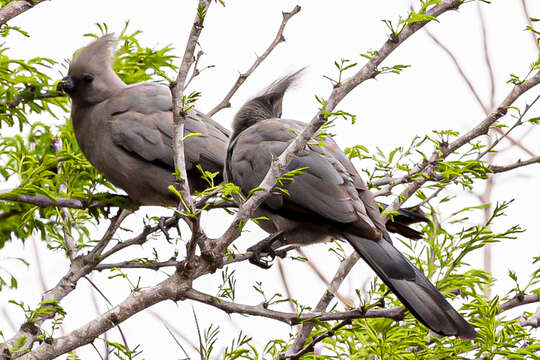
266,105
95,57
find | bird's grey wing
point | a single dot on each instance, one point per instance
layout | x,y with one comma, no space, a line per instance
322,190
142,124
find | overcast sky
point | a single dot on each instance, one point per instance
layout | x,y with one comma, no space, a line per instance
390,112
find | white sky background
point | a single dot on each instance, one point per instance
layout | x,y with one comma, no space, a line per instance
390,112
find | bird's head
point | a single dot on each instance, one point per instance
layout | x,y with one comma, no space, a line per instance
91,78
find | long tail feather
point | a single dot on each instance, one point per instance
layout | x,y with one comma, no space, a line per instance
414,290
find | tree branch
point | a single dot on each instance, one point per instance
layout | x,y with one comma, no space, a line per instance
179,104
519,300
225,103
429,167
16,8
529,22
342,272
395,313
533,321
72,203
169,289
20,98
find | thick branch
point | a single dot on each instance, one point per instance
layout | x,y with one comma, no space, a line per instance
225,103
16,8
533,321
519,300
139,300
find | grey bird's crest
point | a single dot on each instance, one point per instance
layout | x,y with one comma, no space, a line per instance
94,58
91,78
267,105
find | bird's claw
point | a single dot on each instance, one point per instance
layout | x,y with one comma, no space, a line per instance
262,256
165,229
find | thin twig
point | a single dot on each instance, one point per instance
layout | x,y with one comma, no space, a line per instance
429,167
517,164
311,346
169,327
179,105
285,283
529,22
344,299
225,103
17,100
342,272
472,88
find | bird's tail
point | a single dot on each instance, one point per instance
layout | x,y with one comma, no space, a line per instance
412,288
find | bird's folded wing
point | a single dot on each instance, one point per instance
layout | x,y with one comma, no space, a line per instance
323,190
142,124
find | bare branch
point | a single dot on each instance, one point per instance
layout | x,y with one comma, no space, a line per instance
320,275
342,272
32,96
519,300
285,283
486,57
291,318
529,22
225,103
519,122
311,346
111,230
79,267
169,327
473,89
517,164
179,104
16,8
72,203
459,69
429,167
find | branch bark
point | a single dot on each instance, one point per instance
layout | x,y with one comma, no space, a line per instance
16,8
428,167
178,103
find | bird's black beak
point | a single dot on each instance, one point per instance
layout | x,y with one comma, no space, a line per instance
66,85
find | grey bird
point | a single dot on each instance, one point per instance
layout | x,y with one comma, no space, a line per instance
328,200
126,131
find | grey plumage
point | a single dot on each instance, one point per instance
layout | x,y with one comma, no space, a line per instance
328,200
126,131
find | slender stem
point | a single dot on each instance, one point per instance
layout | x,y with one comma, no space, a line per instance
225,103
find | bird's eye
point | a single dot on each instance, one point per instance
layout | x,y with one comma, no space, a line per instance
88,78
